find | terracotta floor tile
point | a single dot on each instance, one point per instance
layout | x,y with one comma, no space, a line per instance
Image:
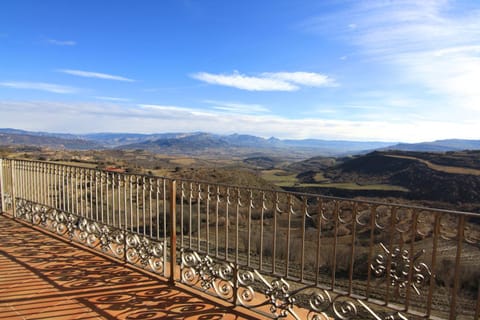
42,277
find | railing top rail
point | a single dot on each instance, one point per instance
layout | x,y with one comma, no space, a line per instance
313,195
294,193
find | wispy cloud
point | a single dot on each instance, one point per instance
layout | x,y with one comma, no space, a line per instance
62,42
432,45
42,86
97,75
236,107
169,111
112,99
309,79
267,81
149,118
250,83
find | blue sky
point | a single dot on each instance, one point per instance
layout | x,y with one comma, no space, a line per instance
355,70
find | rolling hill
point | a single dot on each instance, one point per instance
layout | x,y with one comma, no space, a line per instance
437,146
24,139
201,143
421,179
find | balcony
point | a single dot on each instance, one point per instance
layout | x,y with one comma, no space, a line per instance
255,252
43,277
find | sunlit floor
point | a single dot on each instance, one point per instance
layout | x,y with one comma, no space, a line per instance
42,277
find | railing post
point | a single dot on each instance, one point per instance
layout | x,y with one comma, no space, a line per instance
456,278
2,187
173,231
14,200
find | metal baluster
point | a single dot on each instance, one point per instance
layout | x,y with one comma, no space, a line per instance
290,210
125,179
182,186
14,204
319,239
144,186
302,250
262,217
97,174
82,212
335,242
173,233
107,196
274,234
249,226
2,187
190,226
93,197
217,203
173,228
458,257
76,172
137,211
237,222
157,206
199,229
131,202
207,236
411,258
119,197
113,199
227,221
150,190
102,182
352,247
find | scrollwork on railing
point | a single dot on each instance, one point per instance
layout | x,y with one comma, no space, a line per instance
254,291
145,251
40,214
282,301
400,265
64,223
8,201
24,209
278,296
108,238
32,212
49,218
203,270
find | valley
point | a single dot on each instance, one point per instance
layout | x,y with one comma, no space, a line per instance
408,177
389,184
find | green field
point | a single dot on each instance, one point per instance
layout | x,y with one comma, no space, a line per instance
282,178
354,186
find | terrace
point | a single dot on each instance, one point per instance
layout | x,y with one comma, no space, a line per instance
85,243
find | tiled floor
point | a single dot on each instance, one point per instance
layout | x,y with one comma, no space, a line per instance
42,277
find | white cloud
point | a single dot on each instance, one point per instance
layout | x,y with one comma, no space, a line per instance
310,79
42,86
155,110
112,99
89,117
62,42
430,45
97,75
236,107
240,81
267,81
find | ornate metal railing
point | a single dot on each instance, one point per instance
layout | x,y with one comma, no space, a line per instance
278,253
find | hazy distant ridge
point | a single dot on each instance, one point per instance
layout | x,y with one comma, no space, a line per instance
197,142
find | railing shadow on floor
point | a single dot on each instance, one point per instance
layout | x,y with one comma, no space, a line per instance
270,251
41,276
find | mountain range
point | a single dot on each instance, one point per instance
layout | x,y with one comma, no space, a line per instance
196,143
